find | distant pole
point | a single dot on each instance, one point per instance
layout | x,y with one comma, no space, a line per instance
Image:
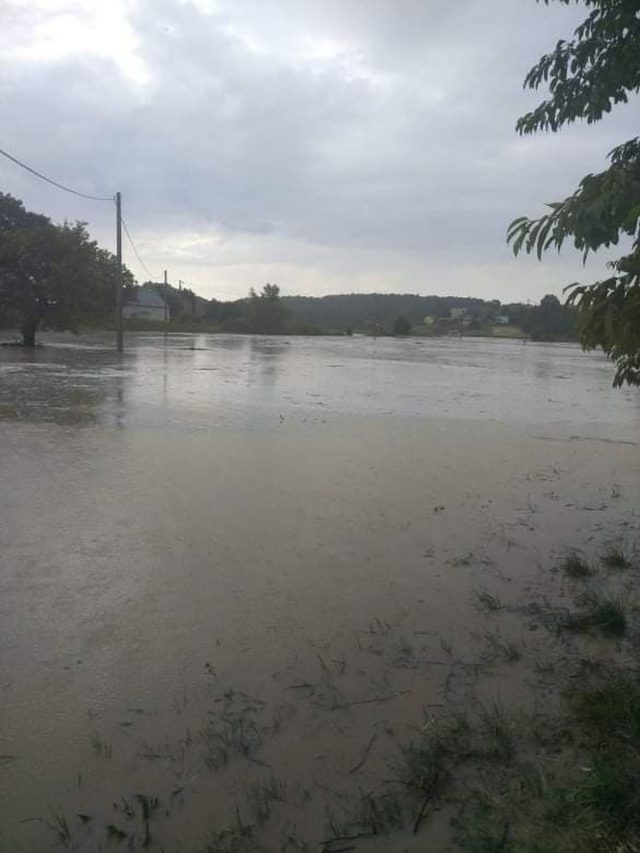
119,329
166,302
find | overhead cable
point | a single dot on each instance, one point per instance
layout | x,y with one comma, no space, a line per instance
136,253
55,183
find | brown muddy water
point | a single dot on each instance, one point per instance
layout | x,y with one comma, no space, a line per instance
236,573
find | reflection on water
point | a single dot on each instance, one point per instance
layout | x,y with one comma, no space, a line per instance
60,385
265,355
234,381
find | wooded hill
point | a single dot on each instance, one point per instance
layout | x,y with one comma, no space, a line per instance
363,311
367,313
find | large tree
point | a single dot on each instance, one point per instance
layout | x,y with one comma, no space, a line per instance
549,321
51,276
586,76
401,326
267,314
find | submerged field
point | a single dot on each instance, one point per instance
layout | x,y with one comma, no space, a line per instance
316,594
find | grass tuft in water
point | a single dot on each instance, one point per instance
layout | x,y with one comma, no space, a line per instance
59,825
612,710
497,732
615,559
501,649
115,833
487,602
380,813
598,612
574,565
480,832
240,837
427,760
262,794
609,793
228,734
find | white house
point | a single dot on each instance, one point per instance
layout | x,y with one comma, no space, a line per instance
149,305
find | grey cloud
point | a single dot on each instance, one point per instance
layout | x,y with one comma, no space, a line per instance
415,154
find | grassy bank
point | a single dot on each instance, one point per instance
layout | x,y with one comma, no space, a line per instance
532,745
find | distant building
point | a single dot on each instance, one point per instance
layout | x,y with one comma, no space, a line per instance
502,320
148,305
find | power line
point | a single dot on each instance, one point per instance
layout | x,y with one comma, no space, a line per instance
136,253
55,183
81,195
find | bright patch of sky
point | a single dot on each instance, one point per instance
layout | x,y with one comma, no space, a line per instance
56,30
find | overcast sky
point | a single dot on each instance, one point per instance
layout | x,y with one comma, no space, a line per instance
326,145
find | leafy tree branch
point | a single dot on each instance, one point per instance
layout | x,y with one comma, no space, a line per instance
586,76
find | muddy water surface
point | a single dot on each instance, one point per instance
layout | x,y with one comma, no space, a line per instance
224,557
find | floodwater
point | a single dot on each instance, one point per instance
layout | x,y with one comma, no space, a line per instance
236,382
289,521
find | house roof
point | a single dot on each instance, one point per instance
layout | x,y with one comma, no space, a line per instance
149,298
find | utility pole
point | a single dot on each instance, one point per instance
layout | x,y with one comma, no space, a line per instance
119,330
166,301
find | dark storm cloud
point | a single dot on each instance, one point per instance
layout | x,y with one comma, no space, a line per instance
366,127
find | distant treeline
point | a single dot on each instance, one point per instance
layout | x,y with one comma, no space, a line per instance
364,312
381,313
268,312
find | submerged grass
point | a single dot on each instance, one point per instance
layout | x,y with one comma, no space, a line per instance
478,831
569,781
497,732
574,565
607,796
598,612
611,710
499,649
261,796
59,825
487,602
229,734
615,559
579,792
561,776
240,837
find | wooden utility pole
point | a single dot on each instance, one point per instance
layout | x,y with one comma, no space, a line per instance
119,328
166,301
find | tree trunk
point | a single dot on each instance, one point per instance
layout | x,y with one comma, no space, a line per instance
29,332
